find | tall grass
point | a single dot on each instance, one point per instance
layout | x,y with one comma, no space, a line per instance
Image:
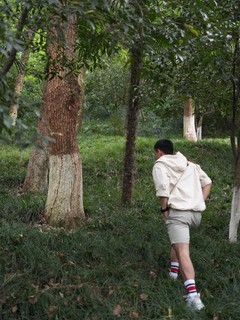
116,265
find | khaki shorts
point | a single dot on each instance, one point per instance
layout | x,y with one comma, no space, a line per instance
179,224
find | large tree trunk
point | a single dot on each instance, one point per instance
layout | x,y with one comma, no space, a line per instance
189,131
64,205
132,120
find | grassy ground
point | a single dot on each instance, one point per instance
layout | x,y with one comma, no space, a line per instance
116,265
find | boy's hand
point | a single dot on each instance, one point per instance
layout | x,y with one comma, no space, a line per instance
166,215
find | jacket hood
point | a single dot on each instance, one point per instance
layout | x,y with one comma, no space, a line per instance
177,162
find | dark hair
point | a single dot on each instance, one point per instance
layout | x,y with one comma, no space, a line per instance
164,145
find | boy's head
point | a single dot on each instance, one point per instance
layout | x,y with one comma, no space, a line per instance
163,146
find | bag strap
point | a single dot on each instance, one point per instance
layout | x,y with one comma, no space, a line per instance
179,179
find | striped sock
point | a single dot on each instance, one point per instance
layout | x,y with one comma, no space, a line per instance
174,269
191,288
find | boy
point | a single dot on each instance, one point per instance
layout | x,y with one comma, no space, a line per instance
183,188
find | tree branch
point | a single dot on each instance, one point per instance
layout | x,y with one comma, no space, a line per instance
12,54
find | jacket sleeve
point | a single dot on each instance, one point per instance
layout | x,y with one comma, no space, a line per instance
161,180
204,178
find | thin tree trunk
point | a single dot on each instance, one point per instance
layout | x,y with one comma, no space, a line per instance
189,131
235,134
132,120
64,205
199,128
13,112
235,215
235,205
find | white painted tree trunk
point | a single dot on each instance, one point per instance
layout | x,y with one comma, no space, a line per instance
199,128
235,215
199,133
64,205
189,131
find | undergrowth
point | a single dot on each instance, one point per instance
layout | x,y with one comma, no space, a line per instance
116,265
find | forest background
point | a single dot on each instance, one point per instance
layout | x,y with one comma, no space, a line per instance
136,63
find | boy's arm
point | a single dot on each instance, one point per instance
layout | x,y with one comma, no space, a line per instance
206,190
164,205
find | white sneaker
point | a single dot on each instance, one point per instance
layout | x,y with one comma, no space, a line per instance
195,303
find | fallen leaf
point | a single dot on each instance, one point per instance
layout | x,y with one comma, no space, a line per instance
134,315
52,311
143,296
111,290
14,309
117,310
152,274
32,299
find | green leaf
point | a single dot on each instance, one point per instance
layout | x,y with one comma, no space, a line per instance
191,29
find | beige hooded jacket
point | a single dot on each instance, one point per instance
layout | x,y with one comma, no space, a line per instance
181,181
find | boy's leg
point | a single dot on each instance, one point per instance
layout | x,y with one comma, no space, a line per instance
179,234
173,254
188,273
174,267
181,250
